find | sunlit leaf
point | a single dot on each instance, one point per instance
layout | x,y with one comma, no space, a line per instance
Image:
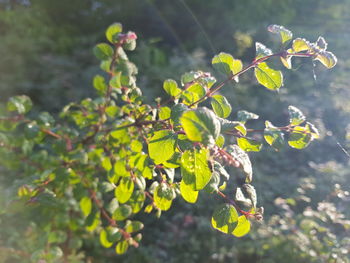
268,77
225,218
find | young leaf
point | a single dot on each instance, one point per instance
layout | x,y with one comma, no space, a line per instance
249,145
124,190
296,117
221,106
113,31
284,33
162,146
225,218
273,136
243,227
226,64
328,59
194,168
201,125
300,44
268,77
188,193
262,50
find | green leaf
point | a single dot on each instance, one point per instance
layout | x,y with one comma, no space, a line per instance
162,146
85,205
328,59
242,228
122,212
300,137
221,106
177,111
244,116
228,126
22,104
300,44
220,141
171,88
114,234
243,158
104,239
273,136
226,64
106,163
133,226
193,93
136,146
164,113
124,190
201,125
100,84
163,196
188,193
296,117
136,201
262,50
249,145
113,31
287,61
103,51
213,185
268,77
225,218
122,247
120,168
285,34
194,168
221,170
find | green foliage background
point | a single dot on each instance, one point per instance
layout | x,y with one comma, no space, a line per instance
46,53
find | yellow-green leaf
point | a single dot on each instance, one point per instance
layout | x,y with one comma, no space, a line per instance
162,146
85,205
242,228
225,218
187,193
268,77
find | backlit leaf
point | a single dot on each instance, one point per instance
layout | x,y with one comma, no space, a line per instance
194,168
243,227
284,33
188,193
162,146
221,106
201,125
268,77
225,218
124,190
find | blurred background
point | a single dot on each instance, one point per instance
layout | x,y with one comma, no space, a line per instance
46,53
